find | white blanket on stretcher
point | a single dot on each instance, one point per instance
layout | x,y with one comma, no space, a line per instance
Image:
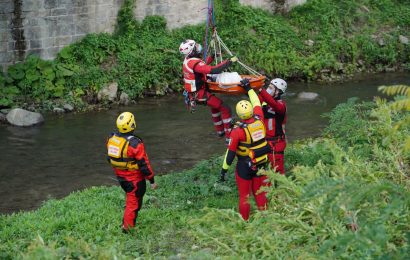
228,78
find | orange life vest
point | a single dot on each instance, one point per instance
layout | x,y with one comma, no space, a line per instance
255,144
117,148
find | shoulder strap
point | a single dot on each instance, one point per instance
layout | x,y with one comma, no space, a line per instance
241,124
186,61
134,140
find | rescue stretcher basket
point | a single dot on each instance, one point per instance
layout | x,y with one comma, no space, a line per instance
255,81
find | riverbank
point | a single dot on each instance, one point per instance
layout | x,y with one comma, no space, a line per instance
347,195
319,41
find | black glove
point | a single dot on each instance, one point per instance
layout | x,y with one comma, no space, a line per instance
245,84
222,175
267,82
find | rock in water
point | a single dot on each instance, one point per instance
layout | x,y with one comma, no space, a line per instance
308,95
21,117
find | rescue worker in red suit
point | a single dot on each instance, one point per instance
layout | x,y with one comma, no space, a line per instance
195,75
127,155
248,143
274,110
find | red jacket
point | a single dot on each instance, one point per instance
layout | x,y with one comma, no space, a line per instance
274,113
195,71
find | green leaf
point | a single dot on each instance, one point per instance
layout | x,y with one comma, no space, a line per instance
5,102
16,72
64,71
59,91
49,86
65,53
12,90
79,92
32,75
9,80
42,64
60,82
48,73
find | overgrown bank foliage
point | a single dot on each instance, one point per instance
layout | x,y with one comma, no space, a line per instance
347,195
319,40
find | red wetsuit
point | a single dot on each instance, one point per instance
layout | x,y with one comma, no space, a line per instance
133,181
275,120
245,175
195,71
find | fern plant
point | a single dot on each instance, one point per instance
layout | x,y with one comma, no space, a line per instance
402,103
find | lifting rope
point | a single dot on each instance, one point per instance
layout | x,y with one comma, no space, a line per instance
216,43
210,22
231,54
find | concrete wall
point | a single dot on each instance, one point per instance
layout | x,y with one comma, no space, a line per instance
44,27
178,13
274,5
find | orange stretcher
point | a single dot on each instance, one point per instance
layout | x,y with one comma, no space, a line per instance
234,89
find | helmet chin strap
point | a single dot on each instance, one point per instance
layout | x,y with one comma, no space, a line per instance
195,54
279,95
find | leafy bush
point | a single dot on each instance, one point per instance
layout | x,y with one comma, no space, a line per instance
36,80
349,205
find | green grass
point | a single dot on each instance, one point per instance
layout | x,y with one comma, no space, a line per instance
343,198
88,223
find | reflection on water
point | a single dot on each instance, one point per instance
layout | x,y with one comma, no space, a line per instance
67,153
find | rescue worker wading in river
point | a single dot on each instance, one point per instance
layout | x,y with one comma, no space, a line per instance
195,75
274,110
248,143
127,155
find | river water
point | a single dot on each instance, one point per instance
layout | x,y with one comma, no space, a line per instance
67,153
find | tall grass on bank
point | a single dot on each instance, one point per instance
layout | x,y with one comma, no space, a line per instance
87,223
320,40
347,196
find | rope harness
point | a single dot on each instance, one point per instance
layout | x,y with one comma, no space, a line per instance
217,45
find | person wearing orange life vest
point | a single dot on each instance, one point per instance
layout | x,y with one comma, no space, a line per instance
248,143
127,156
274,109
195,76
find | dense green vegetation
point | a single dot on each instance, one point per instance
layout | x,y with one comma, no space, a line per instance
347,195
347,36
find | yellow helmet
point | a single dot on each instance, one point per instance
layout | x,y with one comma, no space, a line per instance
126,122
244,109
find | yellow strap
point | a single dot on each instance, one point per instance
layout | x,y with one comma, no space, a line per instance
225,165
254,98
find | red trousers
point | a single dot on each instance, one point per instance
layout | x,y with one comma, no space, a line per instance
221,114
134,193
277,158
245,187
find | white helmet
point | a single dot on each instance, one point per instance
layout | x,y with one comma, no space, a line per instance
188,46
279,84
